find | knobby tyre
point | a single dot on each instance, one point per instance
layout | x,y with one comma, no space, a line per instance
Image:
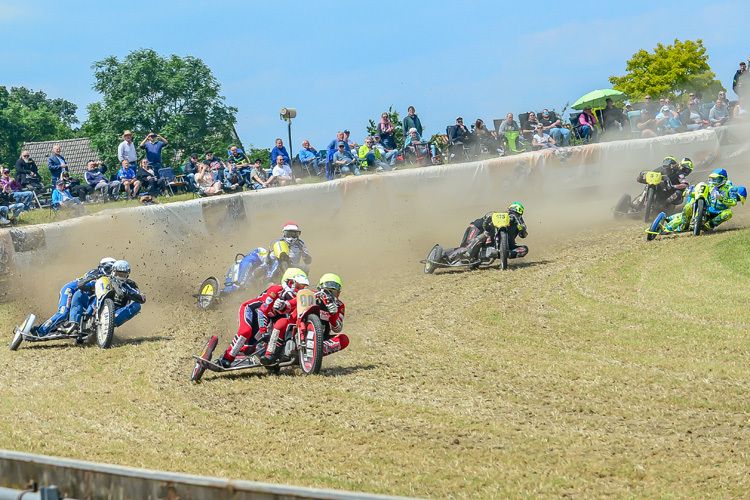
700,213
649,204
105,329
311,352
504,249
435,254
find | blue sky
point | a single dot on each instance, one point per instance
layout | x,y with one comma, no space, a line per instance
340,63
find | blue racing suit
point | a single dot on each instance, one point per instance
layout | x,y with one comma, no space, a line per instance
63,308
240,274
128,299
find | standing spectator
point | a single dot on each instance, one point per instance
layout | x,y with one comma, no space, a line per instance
191,168
63,200
371,155
153,149
207,181
56,164
542,140
95,178
27,173
693,117
740,79
280,150
283,172
10,185
390,155
387,130
150,179
719,114
554,128
126,149
217,166
309,156
78,190
257,178
344,159
587,123
411,121
127,178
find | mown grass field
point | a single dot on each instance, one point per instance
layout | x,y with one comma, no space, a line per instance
606,366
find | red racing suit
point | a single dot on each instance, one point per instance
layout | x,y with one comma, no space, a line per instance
339,342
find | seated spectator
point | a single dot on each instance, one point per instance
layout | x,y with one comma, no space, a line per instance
257,178
9,207
353,146
190,169
613,118
416,146
280,150
461,133
387,130
553,126
239,158
309,156
150,180
390,154
369,153
10,185
94,177
678,107
56,163
27,173
78,190
723,98
63,200
667,121
529,127
283,172
719,114
233,180
128,180
508,125
650,106
587,125
698,98
694,117
668,102
217,166
740,111
541,140
344,159
646,124
207,180
487,138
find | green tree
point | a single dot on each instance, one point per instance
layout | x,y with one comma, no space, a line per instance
670,71
177,97
398,129
26,115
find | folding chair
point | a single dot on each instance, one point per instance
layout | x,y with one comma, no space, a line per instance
633,119
173,181
510,137
454,143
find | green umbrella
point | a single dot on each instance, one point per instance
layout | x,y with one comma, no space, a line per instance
597,98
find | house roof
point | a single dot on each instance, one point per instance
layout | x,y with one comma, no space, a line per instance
77,153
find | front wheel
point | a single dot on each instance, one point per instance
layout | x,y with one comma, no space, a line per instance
649,204
208,293
700,212
311,350
17,339
105,329
206,353
504,250
435,255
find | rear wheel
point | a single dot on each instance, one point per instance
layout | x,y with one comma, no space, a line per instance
622,206
504,249
208,351
208,293
105,329
311,350
649,204
700,212
435,255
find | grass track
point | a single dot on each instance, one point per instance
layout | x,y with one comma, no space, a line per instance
593,369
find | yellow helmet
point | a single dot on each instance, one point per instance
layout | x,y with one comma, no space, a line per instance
294,279
331,283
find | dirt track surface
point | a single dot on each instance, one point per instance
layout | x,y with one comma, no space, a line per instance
563,376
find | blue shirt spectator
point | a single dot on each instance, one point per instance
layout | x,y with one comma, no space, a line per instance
153,148
279,150
56,163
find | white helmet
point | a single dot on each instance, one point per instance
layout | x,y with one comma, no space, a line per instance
291,232
294,280
105,265
121,269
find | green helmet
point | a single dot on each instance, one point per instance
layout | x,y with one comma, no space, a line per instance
686,166
330,282
516,208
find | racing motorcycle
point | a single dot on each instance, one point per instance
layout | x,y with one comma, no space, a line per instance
499,247
98,321
698,215
308,340
652,199
211,292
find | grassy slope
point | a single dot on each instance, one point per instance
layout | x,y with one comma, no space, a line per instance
597,369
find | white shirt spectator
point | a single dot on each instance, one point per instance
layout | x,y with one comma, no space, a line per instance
126,151
282,171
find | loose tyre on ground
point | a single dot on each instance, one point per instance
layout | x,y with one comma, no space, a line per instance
208,292
311,350
435,255
105,329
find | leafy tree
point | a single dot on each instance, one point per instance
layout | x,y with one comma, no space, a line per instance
26,115
264,155
398,129
670,71
175,97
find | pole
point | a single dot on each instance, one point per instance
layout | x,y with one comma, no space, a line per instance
291,153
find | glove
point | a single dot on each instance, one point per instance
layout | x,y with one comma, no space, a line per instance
333,308
280,304
306,259
521,228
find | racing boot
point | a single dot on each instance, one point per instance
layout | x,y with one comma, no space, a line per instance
34,331
69,328
273,349
223,361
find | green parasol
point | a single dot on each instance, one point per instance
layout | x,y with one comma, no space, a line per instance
597,98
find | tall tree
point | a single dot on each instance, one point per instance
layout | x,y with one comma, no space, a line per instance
177,97
670,71
398,129
26,115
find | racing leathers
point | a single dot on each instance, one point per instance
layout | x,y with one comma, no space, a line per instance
335,311
718,209
671,190
63,309
257,264
482,230
127,298
297,252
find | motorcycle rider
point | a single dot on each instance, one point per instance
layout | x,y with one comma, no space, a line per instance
283,312
482,229
723,196
674,173
254,315
67,295
330,286
255,265
297,248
